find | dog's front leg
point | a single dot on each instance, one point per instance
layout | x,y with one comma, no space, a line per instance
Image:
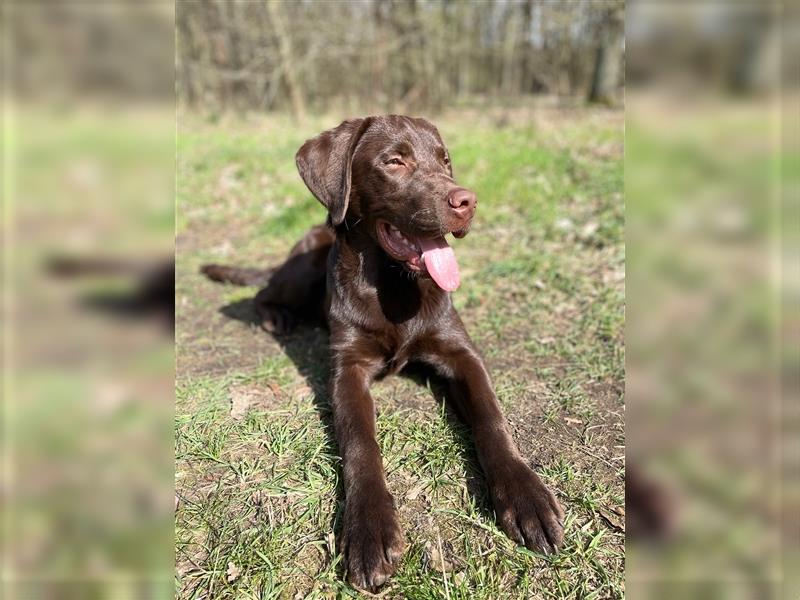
526,510
372,541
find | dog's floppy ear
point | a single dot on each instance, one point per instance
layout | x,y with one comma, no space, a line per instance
325,164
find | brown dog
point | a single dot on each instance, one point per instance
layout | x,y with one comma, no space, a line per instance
380,274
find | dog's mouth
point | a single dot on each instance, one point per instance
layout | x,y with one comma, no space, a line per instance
430,255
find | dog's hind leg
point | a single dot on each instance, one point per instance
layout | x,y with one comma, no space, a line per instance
296,289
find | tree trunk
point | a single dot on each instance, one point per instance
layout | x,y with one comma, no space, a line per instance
287,62
608,59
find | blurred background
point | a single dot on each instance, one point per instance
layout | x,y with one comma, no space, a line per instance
88,225
711,331
712,238
395,56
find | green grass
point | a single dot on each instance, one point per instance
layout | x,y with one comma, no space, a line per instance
543,297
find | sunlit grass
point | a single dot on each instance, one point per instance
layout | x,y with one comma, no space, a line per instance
543,297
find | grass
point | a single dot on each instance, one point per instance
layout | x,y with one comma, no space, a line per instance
260,499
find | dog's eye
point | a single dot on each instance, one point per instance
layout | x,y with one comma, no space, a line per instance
446,159
394,161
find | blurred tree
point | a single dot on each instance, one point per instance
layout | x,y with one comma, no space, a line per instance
287,59
609,55
394,55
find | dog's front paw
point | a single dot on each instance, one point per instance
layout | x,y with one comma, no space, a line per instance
526,510
372,541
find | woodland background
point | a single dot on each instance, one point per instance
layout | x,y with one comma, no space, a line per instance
398,56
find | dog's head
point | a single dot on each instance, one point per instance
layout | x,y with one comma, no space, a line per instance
392,176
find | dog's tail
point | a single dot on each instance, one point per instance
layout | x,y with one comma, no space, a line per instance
237,275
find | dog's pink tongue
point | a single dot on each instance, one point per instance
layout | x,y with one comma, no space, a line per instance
440,262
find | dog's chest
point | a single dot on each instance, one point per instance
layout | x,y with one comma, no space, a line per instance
401,344
396,364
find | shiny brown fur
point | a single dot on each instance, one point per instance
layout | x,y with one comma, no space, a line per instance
382,316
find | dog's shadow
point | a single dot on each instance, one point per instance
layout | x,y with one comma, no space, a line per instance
307,348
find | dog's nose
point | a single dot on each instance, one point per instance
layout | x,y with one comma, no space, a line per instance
462,201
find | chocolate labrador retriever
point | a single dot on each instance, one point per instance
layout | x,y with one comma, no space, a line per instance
380,274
